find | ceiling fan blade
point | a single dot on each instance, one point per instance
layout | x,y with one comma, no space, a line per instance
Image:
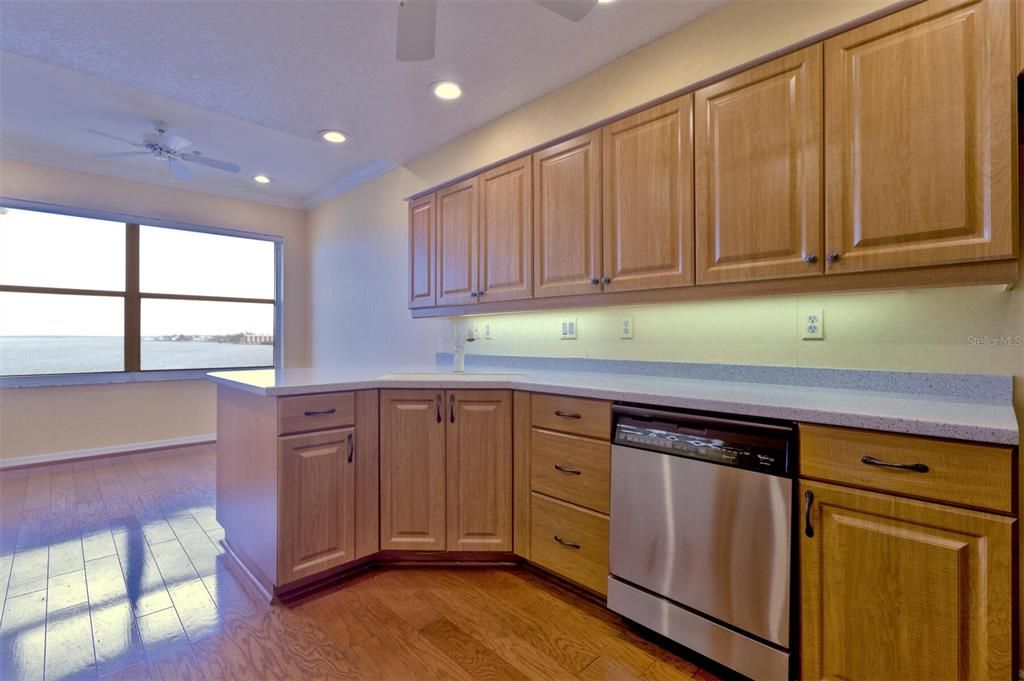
113,137
211,162
417,30
179,170
174,142
573,10
123,154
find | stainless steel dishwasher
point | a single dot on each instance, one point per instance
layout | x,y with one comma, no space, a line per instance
701,527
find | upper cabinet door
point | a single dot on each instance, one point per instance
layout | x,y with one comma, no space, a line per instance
422,231
506,232
456,243
567,217
648,198
758,172
919,146
479,450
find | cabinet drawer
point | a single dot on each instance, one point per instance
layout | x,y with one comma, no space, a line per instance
303,413
570,468
579,416
952,472
570,541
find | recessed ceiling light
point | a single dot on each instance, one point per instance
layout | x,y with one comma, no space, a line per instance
446,89
333,136
261,179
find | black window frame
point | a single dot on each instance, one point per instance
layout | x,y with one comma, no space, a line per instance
132,370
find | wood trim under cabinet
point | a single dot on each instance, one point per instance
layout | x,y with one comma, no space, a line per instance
964,274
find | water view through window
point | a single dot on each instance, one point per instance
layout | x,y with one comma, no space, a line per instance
203,301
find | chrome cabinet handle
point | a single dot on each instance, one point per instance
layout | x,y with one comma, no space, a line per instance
473,294
451,408
319,412
568,414
810,258
567,544
351,447
595,281
832,256
916,467
568,469
606,280
437,405
808,500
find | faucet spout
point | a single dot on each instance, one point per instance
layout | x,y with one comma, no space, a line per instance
460,350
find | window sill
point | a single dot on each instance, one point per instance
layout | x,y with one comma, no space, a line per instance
109,378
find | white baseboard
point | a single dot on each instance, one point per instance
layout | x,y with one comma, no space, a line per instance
73,454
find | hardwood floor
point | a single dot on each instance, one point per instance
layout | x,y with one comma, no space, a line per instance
113,568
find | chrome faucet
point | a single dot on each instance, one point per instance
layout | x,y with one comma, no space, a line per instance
460,349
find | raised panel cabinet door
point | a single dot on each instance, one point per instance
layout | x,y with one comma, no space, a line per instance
506,232
422,254
893,588
758,172
479,470
457,208
412,470
648,198
919,142
567,217
317,502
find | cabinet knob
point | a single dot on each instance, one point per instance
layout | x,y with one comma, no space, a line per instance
595,281
810,258
832,256
606,280
473,294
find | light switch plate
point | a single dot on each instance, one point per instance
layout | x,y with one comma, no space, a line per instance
812,325
569,329
626,328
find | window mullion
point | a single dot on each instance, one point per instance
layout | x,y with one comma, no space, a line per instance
132,302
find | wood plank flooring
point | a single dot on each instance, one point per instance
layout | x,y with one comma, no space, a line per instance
113,568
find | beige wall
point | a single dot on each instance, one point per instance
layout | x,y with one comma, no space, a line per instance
920,330
48,420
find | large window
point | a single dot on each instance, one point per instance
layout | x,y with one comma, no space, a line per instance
80,295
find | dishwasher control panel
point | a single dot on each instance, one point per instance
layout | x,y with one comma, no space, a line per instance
725,441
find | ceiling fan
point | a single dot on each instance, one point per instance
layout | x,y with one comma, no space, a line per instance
169,147
417,23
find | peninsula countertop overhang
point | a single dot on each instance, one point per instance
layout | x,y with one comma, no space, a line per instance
928,415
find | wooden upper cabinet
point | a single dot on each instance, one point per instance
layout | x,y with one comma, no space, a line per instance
422,236
758,138
506,232
412,470
900,589
479,438
457,208
648,198
317,502
919,147
567,217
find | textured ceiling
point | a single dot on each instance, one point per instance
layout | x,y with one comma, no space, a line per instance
251,82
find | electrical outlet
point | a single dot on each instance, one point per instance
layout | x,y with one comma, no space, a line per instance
626,331
488,333
568,329
812,325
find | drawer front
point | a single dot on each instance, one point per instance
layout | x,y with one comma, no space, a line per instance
570,468
953,472
305,413
582,554
579,416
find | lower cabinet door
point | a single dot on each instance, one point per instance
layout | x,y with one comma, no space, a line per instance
317,503
898,589
412,470
479,435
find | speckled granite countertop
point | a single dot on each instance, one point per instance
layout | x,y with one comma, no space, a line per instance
963,415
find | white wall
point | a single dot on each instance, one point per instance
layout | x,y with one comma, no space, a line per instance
35,421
